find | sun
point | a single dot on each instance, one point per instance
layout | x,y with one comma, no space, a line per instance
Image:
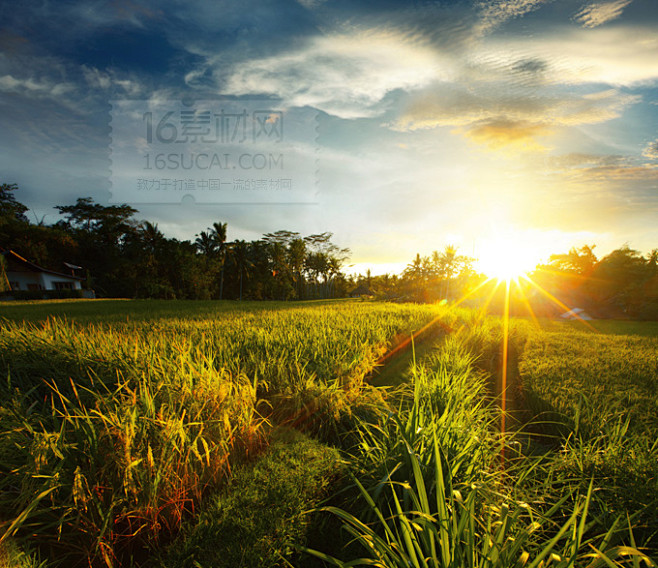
507,258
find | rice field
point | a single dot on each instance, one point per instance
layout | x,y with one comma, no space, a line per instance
118,418
154,433
596,395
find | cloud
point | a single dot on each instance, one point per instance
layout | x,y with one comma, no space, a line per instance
449,105
595,15
617,56
581,160
36,86
619,173
346,75
496,118
605,168
651,150
493,13
79,88
311,4
509,135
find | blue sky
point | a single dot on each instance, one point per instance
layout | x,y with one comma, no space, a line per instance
466,122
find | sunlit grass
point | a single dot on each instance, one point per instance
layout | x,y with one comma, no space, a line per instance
114,432
435,494
117,432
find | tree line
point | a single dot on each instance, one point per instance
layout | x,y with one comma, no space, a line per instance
125,257
621,284
444,275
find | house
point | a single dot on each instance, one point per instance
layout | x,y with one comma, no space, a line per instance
361,290
25,275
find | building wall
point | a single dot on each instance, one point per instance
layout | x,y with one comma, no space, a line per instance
25,280
40,281
50,281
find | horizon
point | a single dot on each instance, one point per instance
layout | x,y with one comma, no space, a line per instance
402,129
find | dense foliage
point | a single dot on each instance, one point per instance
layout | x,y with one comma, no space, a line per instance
124,257
622,284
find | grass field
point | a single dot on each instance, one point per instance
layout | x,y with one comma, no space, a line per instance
597,391
154,433
120,417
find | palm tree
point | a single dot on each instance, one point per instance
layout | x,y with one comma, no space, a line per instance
4,280
296,258
205,244
218,234
414,270
450,264
241,256
153,279
151,236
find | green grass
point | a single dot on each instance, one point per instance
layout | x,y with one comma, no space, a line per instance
117,310
596,394
116,429
595,377
434,489
138,432
259,519
607,327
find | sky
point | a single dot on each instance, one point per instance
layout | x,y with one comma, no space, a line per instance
404,126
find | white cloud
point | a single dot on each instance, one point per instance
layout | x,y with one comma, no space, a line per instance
496,12
506,120
622,55
651,150
448,106
36,86
95,78
346,75
600,13
311,4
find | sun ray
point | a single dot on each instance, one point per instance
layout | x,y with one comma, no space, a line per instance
526,303
503,381
473,291
557,302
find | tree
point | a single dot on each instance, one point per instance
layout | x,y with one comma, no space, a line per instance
10,209
102,233
218,235
450,265
323,261
414,269
283,286
296,258
240,253
93,217
617,278
4,280
205,244
580,261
